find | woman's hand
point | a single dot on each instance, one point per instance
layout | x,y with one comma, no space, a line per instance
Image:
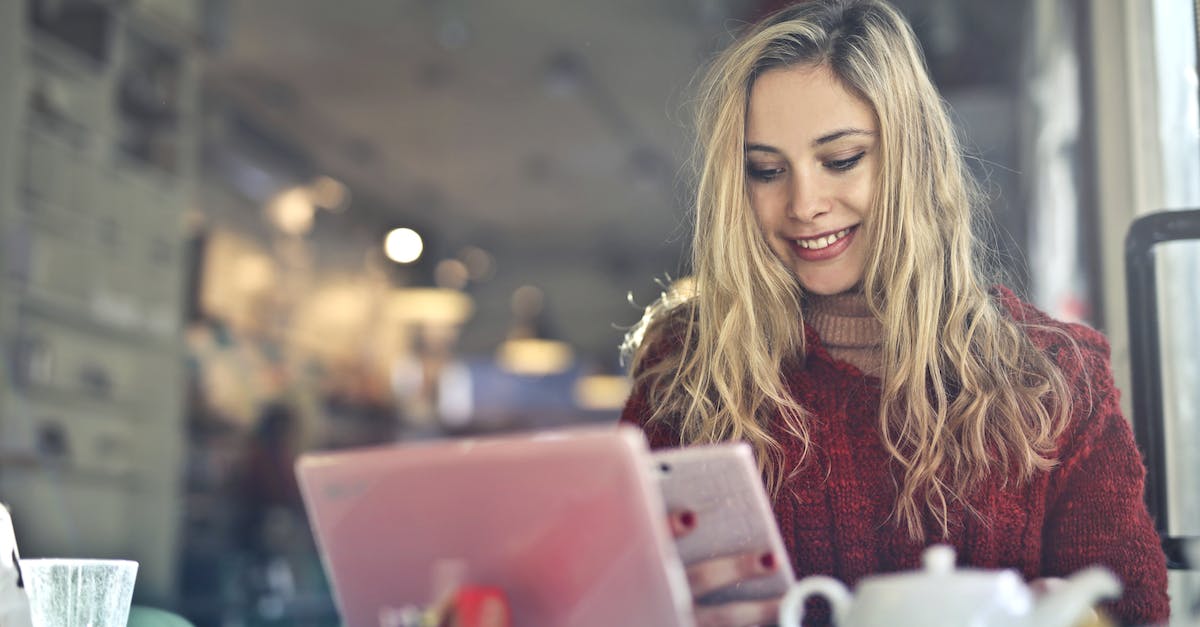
714,574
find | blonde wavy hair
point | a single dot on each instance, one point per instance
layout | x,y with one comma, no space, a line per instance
965,394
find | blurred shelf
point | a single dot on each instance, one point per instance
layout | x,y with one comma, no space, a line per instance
63,471
75,315
80,400
91,317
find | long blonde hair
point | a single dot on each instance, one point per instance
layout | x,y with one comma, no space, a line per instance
964,392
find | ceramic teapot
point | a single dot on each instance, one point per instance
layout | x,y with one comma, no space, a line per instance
940,594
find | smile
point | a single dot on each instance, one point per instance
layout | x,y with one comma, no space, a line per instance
817,243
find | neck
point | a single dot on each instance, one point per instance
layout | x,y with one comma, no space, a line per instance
848,329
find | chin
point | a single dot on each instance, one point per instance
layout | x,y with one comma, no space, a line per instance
842,274
829,287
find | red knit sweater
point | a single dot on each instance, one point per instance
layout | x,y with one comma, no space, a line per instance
1088,510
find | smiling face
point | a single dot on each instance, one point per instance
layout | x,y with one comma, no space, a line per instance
811,163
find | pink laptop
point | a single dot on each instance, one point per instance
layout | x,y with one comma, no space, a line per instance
569,524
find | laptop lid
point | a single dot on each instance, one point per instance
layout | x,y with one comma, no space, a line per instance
569,524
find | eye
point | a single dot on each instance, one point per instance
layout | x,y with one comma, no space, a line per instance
841,165
764,174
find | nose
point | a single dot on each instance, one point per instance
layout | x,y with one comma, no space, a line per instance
808,198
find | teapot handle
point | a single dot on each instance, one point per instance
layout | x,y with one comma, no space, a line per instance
791,609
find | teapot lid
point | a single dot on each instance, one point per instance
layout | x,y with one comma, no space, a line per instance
938,559
938,564
951,591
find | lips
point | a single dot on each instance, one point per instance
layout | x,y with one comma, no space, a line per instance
824,246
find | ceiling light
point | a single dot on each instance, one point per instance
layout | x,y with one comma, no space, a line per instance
292,211
528,350
451,273
480,264
329,193
601,392
527,302
403,245
534,357
430,305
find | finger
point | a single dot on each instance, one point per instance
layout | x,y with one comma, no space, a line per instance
682,522
739,614
713,574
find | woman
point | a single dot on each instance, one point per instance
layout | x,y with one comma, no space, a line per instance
841,324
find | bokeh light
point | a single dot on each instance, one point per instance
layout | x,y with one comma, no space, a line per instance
403,245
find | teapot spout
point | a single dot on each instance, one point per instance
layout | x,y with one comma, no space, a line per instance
1066,604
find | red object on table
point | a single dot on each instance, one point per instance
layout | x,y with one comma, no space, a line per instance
478,606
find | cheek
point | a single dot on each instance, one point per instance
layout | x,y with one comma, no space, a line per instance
764,219
852,193
864,193
765,206
865,198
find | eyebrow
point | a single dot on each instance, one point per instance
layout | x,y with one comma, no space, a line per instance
820,141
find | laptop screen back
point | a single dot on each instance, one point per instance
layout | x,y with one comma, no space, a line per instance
569,524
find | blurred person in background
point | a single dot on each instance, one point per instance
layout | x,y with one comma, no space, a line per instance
843,322
271,529
267,483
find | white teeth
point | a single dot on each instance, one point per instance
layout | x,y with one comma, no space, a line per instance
822,242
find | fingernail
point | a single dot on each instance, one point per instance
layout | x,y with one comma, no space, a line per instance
768,561
688,519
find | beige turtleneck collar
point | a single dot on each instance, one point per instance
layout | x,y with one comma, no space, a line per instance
847,329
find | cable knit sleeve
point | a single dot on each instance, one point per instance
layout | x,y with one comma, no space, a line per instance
637,408
1095,513
661,341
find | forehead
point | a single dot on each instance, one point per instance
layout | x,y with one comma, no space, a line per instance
802,103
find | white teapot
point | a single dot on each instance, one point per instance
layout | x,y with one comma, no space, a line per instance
940,594
14,605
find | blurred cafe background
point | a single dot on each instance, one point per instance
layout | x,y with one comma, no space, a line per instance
232,231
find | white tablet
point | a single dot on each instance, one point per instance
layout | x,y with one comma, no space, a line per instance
721,485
